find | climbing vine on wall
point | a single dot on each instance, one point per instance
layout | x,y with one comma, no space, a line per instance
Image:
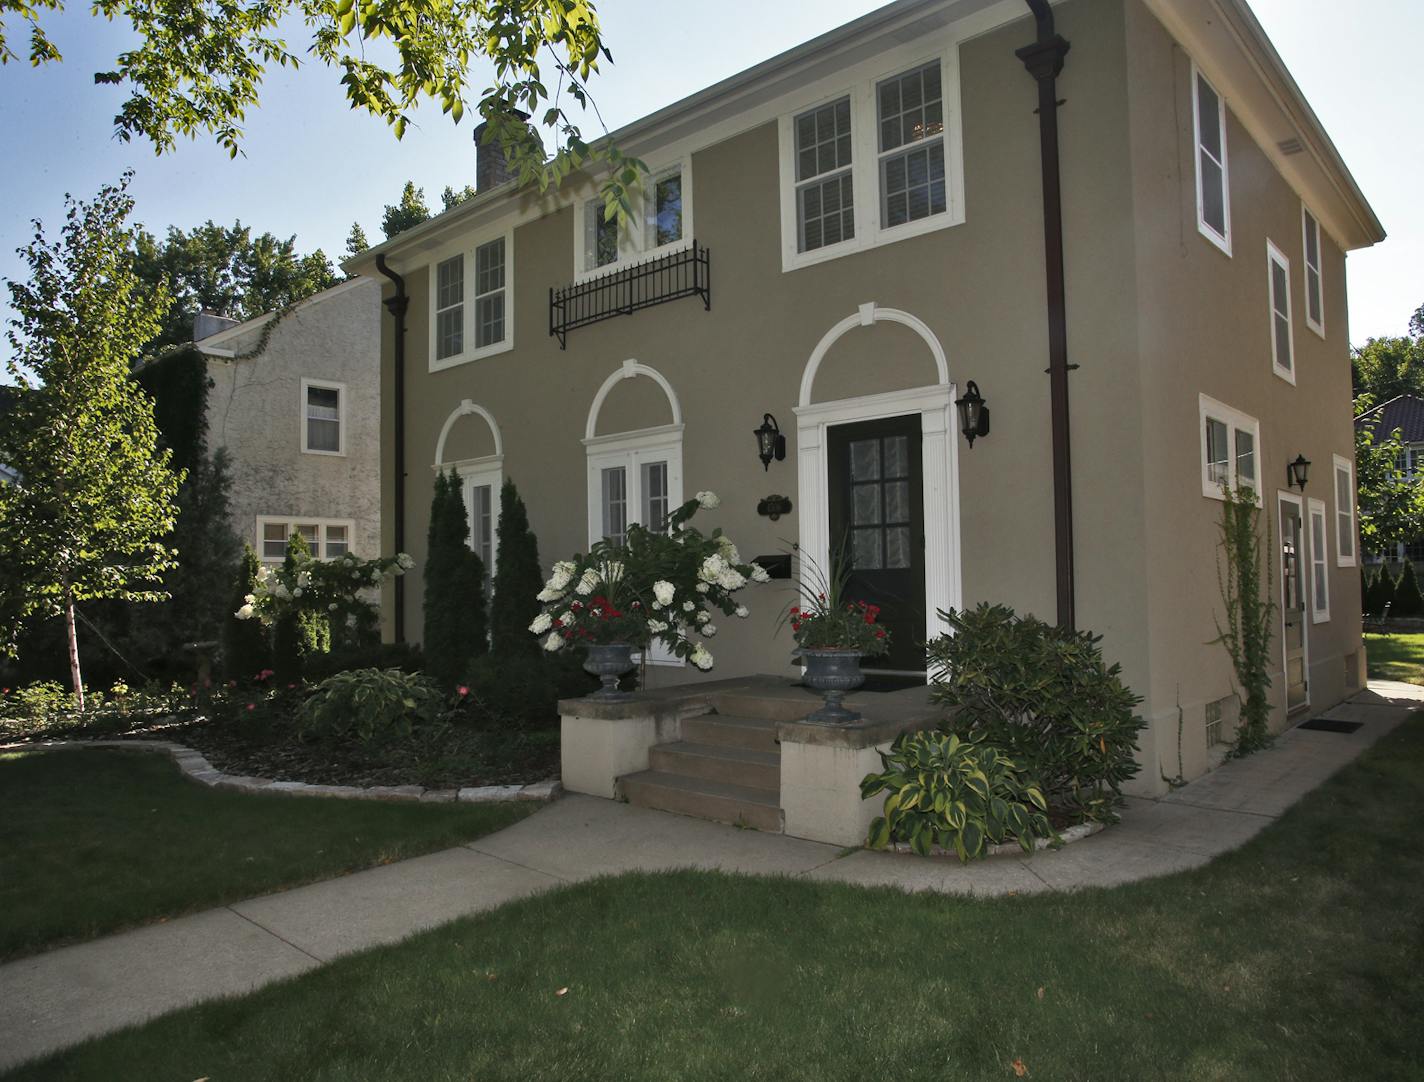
1244,576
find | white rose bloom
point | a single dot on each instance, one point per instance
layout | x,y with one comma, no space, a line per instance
664,591
244,613
759,574
742,612
548,594
553,642
709,500
708,630
701,658
541,623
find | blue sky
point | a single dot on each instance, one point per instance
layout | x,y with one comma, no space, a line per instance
312,166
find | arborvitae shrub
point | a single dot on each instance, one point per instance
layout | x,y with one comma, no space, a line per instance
1407,599
455,628
300,634
246,650
518,578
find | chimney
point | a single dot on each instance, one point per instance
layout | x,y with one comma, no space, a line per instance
491,168
206,324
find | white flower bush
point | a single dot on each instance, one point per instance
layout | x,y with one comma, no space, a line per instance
629,593
332,589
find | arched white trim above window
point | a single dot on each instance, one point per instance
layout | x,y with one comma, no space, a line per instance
630,369
465,409
867,316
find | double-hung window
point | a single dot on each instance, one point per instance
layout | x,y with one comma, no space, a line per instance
910,114
663,209
1344,512
471,303
327,538
1231,448
1319,570
1213,177
323,418
659,221
1282,334
1314,297
825,188
600,245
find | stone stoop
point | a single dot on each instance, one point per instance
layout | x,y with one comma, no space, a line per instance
726,768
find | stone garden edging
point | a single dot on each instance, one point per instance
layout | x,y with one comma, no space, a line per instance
1008,849
195,766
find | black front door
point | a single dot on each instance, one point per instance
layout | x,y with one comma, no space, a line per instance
877,520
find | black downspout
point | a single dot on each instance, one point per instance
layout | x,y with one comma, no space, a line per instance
1044,61
397,306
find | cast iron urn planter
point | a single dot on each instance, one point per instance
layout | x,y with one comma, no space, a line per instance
609,661
832,672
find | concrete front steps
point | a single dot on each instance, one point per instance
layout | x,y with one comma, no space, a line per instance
726,767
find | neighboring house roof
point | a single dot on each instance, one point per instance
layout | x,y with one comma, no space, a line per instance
1223,37
1404,412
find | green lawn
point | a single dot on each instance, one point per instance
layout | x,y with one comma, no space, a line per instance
1297,957
1396,657
95,840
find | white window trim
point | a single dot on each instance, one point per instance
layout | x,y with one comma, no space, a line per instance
291,522
1319,614
474,473
1222,242
468,248
865,156
1274,256
341,411
1208,407
634,242
1344,464
630,450
1306,220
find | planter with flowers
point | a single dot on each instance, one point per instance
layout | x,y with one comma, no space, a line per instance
832,635
658,586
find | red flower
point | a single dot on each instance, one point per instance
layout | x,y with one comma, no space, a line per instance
880,634
463,690
252,706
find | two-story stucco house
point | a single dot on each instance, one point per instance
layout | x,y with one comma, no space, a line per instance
294,399
846,235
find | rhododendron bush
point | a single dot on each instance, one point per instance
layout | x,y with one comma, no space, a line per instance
658,586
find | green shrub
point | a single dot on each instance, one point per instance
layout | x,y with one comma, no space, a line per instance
1044,695
518,578
1407,599
1381,592
379,655
371,706
297,634
523,691
956,793
455,628
246,650
37,704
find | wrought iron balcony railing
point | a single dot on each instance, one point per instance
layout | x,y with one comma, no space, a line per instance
687,273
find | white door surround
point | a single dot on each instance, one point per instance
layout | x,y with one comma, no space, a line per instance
487,470
944,586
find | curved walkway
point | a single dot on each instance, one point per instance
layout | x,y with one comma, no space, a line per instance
61,997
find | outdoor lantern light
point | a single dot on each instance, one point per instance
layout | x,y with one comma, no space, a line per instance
973,414
1298,472
770,442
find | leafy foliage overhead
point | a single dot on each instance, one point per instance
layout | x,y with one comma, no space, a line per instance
225,269
408,212
1391,501
1387,367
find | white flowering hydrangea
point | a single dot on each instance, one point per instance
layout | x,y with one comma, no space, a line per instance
731,579
541,623
587,583
701,657
707,630
708,500
704,617
657,627
548,594
246,612
664,591
759,574
553,643
742,612
688,606
712,567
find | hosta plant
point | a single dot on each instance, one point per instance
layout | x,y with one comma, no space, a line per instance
370,706
955,793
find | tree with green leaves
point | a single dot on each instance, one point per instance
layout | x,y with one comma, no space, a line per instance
409,211
225,269
518,578
199,68
455,628
451,198
1390,366
1391,502
1407,599
356,241
97,497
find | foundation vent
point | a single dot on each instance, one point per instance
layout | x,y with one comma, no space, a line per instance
1352,671
1289,146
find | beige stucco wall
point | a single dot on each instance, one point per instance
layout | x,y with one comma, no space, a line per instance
1205,328
1156,315
255,411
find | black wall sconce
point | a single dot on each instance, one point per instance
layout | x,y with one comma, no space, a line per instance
770,442
774,506
1298,472
973,414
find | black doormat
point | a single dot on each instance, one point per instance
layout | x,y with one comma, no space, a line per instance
1327,725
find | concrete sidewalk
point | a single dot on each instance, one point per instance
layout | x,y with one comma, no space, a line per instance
64,996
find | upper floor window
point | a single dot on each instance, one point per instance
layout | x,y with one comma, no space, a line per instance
600,236
1230,448
1213,178
878,163
664,209
825,197
1344,512
1314,298
911,131
1282,341
327,538
470,303
661,216
323,417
